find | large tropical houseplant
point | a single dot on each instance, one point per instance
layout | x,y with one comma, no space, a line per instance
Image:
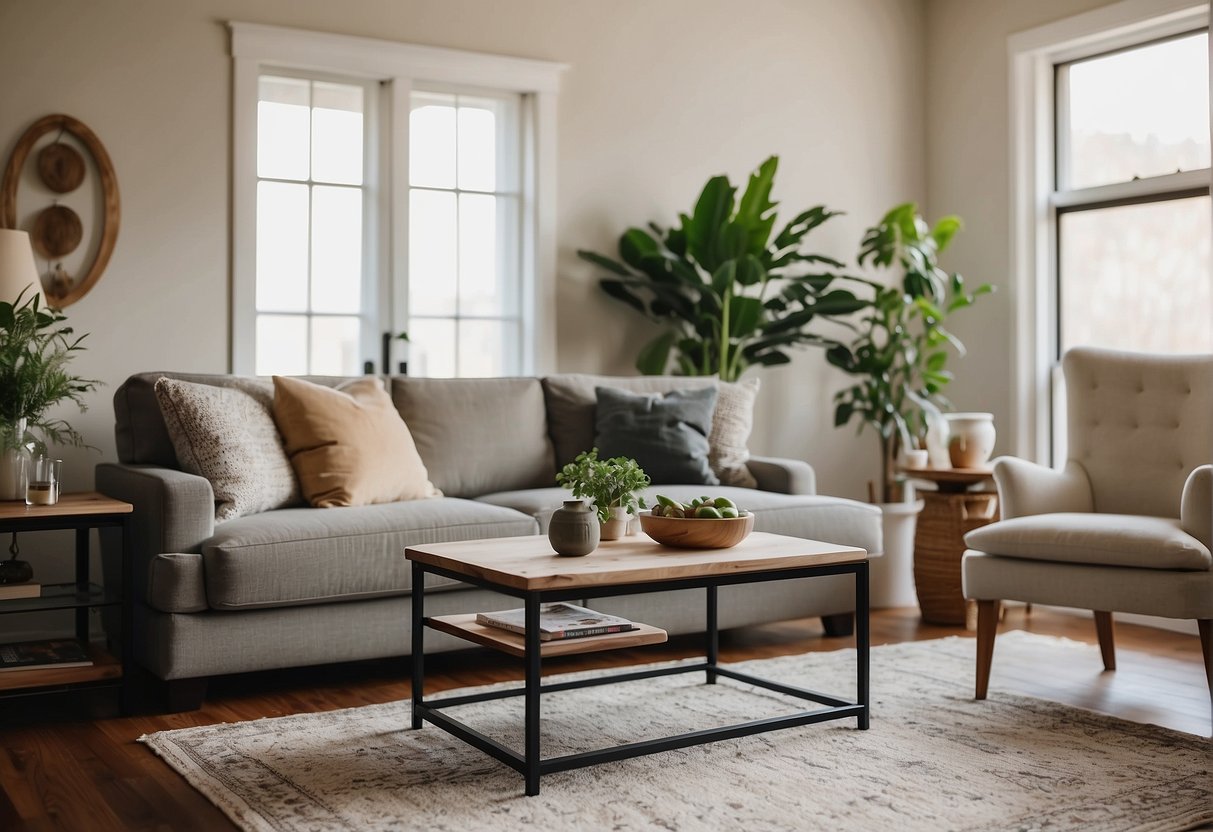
901,348
728,290
35,349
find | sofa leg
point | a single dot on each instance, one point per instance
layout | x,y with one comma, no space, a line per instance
838,625
184,694
1104,629
987,629
1205,625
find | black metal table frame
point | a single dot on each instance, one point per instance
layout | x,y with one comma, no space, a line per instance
532,766
82,524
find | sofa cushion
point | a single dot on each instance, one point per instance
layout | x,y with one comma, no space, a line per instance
1099,539
139,429
348,446
832,519
478,435
305,556
667,434
229,437
732,422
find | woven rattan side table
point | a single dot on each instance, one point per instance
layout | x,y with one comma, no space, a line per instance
947,515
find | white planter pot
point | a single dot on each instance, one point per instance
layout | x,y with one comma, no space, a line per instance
891,576
970,439
617,526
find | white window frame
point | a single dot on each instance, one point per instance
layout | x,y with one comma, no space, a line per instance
1033,54
258,49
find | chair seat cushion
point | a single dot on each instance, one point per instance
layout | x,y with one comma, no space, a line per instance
309,556
1098,539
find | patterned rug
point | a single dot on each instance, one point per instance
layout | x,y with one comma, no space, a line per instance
934,759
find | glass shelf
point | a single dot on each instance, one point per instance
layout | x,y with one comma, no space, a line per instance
62,597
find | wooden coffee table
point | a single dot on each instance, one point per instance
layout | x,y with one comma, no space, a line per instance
527,568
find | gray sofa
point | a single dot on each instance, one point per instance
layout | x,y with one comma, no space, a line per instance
306,586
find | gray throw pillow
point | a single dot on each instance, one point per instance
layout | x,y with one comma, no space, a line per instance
667,435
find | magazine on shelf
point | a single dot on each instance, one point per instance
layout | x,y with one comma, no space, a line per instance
33,655
28,589
557,621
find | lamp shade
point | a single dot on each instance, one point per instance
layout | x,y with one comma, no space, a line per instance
17,269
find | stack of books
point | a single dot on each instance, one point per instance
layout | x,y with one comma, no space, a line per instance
33,655
28,589
558,621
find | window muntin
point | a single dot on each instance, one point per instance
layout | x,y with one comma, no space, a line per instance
1134,113
311,161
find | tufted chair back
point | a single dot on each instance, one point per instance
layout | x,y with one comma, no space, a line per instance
1138,425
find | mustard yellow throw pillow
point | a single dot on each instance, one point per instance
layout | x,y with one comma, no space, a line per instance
348,445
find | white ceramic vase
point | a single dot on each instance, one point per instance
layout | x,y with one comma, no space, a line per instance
617,526
970,439
891,576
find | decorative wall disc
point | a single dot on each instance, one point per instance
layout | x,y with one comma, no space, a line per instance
57,232
61,167
58,228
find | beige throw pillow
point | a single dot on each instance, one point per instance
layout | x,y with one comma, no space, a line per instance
731,425
229,437
348,445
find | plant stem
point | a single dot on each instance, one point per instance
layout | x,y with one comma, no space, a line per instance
725,374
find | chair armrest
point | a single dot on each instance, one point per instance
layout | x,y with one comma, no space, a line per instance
1196,508
783,476
1025,488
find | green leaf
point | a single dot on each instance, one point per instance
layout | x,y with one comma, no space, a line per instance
945,229
617,290
842,413
840,356
724,277
744,316
773,358
756,211
750,271
713,209
838,302
605,262
936,361
635,245
654,358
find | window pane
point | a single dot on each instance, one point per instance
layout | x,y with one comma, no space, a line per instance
281,345
337,133
282,128
281,247
335,347
477,149
1142,112
1137,277
432,141
488,255
488,348
336,249
433,253
432,348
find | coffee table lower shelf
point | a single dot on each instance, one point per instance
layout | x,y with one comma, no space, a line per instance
514,644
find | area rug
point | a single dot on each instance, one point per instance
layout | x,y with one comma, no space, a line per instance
934,759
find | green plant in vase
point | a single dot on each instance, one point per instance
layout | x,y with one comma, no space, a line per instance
612,485
901,349
728,291
36,348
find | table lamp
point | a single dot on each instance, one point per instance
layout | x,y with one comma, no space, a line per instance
17,269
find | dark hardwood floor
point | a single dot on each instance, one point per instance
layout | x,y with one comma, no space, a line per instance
94,776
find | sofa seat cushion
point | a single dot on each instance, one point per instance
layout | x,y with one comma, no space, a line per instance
832,519
309,556
1129,540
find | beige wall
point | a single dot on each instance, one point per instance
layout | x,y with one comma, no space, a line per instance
968,173
660,95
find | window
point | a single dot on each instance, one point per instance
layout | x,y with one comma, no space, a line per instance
382,188
1133,262
1111,218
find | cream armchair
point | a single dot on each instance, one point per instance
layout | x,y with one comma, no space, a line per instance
1127,525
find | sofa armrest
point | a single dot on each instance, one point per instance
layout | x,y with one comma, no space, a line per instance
783,476
1025,488
1196,507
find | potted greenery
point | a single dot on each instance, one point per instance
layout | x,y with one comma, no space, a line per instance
613,485
899,359
35,349
727,292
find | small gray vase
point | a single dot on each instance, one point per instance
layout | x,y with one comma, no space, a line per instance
573,530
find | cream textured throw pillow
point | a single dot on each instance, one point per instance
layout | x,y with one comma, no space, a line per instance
228,437
731,425
349,445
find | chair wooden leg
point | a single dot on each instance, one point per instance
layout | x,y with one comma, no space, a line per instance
1205,625
987,629
1107,639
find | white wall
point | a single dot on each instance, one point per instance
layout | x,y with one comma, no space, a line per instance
660,96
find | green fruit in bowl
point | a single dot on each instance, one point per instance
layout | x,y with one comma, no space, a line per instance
729,512
708,512
724,502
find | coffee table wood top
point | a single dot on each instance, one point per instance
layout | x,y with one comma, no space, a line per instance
528,563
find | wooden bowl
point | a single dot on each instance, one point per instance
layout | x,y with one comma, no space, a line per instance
697,533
